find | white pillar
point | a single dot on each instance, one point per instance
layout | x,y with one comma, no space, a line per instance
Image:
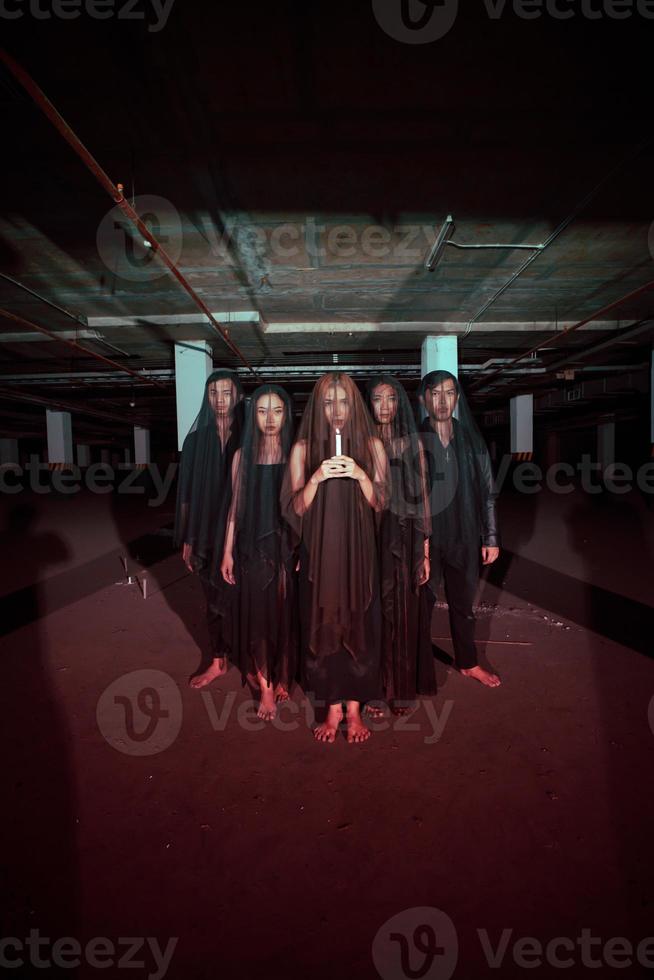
9,451
141,445
60,437
83,455
522,424
440,354
605,444
193,365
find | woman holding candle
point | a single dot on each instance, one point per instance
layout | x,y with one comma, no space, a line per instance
258,558
407,665
330,500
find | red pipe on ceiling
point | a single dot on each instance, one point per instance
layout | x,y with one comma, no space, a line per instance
482,382
77,346
115,192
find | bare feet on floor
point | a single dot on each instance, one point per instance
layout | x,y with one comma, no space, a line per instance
267,707
356,730
217,668
327,731
281,694
483,676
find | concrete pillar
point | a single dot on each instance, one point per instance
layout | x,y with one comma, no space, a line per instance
141,445
522,426
60,437
127,456
9,451
83,455
605,444
439,354
193,365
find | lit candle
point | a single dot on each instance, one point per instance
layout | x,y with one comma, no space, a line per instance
338,442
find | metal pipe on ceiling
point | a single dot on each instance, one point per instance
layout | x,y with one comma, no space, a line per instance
115,192
12,394
621,337
555,234
76,346
483,382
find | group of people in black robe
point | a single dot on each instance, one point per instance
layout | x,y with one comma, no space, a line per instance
321,554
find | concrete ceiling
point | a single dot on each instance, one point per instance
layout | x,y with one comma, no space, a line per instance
297,163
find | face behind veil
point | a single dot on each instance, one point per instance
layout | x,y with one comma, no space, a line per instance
267,438
204,487
396,426
337,529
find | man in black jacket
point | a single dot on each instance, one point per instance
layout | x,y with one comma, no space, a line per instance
464,522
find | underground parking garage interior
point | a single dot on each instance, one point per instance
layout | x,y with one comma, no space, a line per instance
444,211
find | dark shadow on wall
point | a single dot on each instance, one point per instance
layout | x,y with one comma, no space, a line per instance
39,870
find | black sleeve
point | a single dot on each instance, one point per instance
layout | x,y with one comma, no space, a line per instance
490,534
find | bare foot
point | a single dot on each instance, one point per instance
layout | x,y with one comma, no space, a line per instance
356,730
217,669
327,731
483,676
267,707
281,694
374,710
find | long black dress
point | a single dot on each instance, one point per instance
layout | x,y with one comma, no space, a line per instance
341,665
340,613
407,664
265,633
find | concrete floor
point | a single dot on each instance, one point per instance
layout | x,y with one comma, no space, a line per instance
527,809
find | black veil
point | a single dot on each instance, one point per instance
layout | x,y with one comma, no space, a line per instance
401,439
204,487
264,639
463,476
407,667
254,513
337,529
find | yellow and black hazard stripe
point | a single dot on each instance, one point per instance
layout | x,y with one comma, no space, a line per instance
522,457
